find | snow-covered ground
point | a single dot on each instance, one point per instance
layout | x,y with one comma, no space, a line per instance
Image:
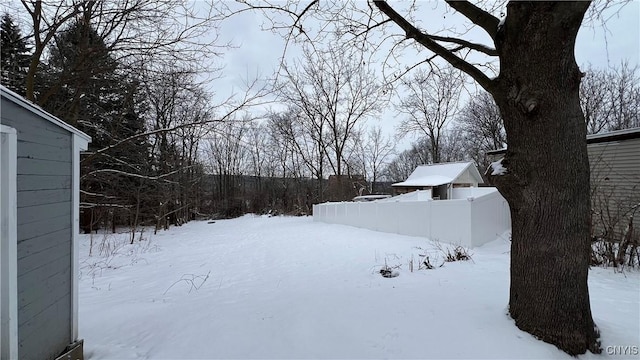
283,287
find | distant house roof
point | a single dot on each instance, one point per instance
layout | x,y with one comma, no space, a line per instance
440,174
374,197
617,135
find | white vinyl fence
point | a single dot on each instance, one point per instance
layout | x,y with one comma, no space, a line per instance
474,217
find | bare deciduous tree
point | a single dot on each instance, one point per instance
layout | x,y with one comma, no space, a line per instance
303,139
403,165
480,126
229,156
430,103
593,100
375,151
137,31
610,99
333,92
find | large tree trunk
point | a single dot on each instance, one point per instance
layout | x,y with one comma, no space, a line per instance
547,178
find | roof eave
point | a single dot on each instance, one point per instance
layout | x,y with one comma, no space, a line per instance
20,100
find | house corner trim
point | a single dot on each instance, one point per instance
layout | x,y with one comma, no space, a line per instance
79,144
8,244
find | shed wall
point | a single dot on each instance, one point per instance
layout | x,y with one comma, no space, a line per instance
466,178
44,169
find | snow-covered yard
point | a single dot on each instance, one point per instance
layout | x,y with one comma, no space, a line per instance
282,287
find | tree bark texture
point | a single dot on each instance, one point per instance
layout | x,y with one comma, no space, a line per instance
547,178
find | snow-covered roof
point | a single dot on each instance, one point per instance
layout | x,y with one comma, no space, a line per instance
425,180
440,174
18,99
418,195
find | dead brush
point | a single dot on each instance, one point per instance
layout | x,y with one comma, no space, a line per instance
453,253
617,251
459,254
427,261
389,271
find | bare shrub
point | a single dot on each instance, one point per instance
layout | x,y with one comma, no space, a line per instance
426,264
388,272
459,254
453,253
429,261
115,251
615,242
617,253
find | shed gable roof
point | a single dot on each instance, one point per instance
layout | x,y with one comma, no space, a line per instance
440,174
18,99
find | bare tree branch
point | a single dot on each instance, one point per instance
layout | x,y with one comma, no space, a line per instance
425,39
477,47
119,172
478,16
248,100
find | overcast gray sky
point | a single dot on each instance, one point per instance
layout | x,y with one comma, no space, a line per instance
259,52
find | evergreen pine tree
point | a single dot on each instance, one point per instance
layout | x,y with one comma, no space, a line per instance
83,85
85,88
14,55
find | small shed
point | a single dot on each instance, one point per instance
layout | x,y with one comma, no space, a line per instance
39,211
440,179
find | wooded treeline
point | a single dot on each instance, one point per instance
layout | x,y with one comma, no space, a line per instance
163,153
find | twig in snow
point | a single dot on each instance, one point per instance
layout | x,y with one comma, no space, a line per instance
192,280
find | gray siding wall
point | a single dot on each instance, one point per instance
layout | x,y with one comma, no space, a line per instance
44,233
615,185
